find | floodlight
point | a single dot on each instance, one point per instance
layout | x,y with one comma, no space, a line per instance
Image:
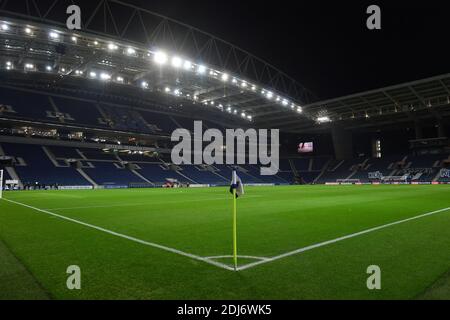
53,35
161,57
5,27
105,77
323,119
112,47
144,84
92,74
28,31
225,77
131,51
201,69
177,62
187,65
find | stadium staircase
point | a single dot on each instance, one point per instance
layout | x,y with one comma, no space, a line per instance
86,176
324,170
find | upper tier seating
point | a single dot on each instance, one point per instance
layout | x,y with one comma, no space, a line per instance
161,123
28,106
83,113
124,119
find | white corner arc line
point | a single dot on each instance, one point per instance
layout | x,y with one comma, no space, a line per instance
353,235
150,244
239,256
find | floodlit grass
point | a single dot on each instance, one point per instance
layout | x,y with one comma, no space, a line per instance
272,221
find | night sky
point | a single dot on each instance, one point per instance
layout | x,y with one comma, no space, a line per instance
325,45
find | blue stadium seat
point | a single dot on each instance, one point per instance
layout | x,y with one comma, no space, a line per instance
40,169
105,173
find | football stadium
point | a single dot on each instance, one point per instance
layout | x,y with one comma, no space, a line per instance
94,205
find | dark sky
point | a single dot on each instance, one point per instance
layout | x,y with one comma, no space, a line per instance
325,45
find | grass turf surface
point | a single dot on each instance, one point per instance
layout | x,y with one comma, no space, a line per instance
413,256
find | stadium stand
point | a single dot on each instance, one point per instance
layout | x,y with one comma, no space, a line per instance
83,113
71,166
159,123
107,174
6,175
38,168
28,106
157,174
340,170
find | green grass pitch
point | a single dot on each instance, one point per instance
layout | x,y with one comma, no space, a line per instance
117,246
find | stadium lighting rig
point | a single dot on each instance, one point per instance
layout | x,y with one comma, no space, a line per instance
158,57
323,119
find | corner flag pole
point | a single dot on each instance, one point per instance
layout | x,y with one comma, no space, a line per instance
235,231
235,251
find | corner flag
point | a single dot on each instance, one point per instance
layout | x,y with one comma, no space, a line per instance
237,185
237,190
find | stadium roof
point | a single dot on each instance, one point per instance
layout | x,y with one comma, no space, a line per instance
408,102
174,63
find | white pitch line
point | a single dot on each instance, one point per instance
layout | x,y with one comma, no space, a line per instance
141,204
150,244
322,244
242,257
221,265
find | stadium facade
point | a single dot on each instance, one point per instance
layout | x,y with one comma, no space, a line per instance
96,108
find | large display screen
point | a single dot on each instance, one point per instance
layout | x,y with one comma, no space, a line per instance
306,147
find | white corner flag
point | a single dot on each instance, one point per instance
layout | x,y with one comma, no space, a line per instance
236,185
